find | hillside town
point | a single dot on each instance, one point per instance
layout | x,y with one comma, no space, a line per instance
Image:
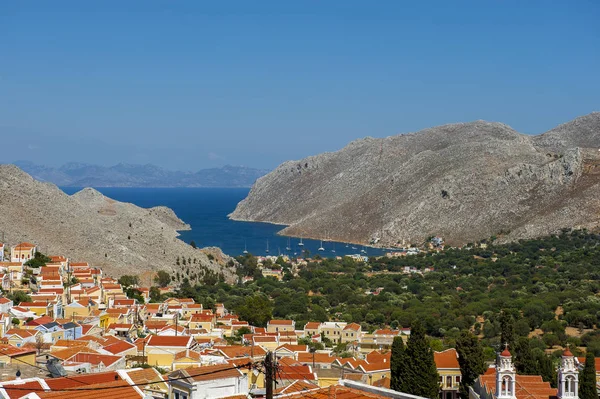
66,327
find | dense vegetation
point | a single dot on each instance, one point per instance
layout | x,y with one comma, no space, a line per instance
536,294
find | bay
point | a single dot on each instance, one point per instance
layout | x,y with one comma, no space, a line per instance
206,210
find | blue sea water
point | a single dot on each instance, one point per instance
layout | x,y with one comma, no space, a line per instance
206,210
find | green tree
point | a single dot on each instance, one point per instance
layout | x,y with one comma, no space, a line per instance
419,376
155,295
470,359
397,362
38,260
18,296
128,281
162,278
587,379
193,244
507,329
256,310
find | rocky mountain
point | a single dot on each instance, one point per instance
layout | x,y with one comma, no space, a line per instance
464,182
127,175
120,237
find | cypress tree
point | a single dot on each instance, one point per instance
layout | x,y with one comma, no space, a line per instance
507,329
419,375
470,359
587,379
397,363
525,362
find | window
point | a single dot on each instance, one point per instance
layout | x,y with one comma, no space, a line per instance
448,382
458,379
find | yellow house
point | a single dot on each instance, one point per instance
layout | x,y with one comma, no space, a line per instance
333,330
268,343
17,337
448,370
80,309
39,308
13,355
161,349
201,320
274,326
22,252
351,332
312,328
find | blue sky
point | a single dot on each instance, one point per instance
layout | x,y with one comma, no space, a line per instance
193,84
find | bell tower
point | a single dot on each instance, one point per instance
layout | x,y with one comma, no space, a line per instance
506,376
568,377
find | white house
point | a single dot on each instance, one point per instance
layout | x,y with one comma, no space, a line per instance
1,252
218,381
5,305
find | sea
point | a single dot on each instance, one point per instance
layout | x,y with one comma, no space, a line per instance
206,210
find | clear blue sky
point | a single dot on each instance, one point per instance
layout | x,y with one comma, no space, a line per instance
193,84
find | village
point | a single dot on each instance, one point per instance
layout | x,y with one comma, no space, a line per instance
66,327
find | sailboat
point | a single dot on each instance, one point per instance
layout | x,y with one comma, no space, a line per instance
300,244
245,248
267,246
333,250
288,248
321,247
363,250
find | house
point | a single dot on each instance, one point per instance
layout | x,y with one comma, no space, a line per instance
351,333
449,373
333,330
1,252
17,337
312,328
12,355
502,381
161,350
206,321
80,309
274,326
5,281
5,305
218,381
51,332
22,252
39,308
72,330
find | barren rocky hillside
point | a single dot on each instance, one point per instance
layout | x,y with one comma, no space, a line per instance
122,238
465,182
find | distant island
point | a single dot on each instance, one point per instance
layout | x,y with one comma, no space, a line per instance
131,175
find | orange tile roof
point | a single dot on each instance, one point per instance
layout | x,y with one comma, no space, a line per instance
307,358
158,340
447,359
118,389
335,391
312,325
281,322
94,358
119,347
22,387
353,326
296,386
209,373
233,351
24,246
526,386
82,380
68,353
